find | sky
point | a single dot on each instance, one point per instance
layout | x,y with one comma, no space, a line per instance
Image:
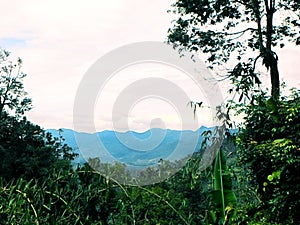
60,40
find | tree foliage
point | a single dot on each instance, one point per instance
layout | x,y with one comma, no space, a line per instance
270,151
84,196
238,32
26,150
12,94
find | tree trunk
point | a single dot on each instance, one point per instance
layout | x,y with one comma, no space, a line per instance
1,106
275,82
270,58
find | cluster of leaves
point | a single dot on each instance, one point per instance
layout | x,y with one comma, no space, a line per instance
238,33
195,28
148,175
269,150
215,185
62,198
184,198
83,196
13,97
28,151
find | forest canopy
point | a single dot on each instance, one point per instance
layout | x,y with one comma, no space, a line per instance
254,177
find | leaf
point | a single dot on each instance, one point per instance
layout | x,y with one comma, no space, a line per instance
241,97
270,178
222,193
270,103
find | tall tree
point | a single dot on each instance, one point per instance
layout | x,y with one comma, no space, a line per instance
240,32
12,94
25,149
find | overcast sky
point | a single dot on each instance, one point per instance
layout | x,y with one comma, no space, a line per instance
59,40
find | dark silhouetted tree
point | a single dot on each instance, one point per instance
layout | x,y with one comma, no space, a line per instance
240,32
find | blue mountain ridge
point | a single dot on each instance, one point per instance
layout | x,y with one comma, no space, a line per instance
133,148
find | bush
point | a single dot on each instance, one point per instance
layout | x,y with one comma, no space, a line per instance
269,150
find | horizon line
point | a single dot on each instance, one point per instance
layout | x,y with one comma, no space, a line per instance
122,131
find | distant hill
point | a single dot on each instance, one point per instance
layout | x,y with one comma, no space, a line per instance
133,148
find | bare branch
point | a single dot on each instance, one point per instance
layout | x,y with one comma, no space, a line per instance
254,64
236,33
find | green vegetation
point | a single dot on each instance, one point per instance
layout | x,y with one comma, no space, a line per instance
253,178
83,196
269,150
239,33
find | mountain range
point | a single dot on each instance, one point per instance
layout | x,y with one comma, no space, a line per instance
132,148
